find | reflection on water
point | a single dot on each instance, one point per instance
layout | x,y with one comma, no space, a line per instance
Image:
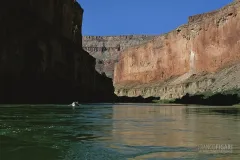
176,127
136,131
149,126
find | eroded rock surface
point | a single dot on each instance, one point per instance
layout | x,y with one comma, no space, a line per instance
106,49
196,57
41,55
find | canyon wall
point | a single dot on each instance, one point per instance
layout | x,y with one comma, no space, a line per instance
41,55
203,55
106,49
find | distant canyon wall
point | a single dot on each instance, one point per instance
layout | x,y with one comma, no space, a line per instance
41,55
189,59
106,49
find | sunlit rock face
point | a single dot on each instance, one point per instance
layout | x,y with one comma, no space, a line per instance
173,64
106,49
41,55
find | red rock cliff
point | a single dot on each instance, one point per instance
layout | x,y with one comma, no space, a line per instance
208,43
106,49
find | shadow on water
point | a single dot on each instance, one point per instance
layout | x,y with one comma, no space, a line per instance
30,130
16,149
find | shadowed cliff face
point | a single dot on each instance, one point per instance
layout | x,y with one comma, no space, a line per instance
106,49
41,55
188,59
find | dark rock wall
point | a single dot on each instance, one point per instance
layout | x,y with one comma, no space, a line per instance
41,55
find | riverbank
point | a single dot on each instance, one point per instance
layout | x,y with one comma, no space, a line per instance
226,98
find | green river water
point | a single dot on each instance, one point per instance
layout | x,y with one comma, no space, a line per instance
118,132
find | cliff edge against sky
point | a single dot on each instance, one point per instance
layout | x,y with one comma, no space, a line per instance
106,49
41,55
203,55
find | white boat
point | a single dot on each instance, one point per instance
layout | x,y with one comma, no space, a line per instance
74,104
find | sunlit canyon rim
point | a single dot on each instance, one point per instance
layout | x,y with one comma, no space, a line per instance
200,56
106,49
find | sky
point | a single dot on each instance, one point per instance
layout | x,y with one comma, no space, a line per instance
151,17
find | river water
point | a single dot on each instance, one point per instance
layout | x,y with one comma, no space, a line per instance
119,131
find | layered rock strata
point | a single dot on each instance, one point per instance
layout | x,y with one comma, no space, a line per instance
106,49
203,55
41,55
